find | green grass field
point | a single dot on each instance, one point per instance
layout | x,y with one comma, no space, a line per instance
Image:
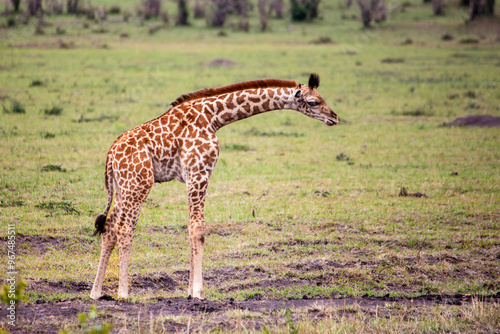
315,211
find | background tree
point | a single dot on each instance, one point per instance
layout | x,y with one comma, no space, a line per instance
199,9
276,6
372,10
72,6
304,10
182,13
151,9
216,17
241,8
481,7
34,6
366,14
437,7
262,4
54,7
15,4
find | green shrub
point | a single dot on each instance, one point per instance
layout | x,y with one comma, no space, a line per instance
115,9
15,108
36,82
11,22
342,157
17,295
54,111
88,322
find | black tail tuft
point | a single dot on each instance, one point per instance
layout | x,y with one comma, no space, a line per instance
99,225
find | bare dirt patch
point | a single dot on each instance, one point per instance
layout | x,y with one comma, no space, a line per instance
39,243
476,120
46,287
139,284
159,281
315,265
49,315
221,62
58,302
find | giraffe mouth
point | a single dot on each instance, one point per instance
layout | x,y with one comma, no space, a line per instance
331,122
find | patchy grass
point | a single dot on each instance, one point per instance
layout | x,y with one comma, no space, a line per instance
56,206
52,168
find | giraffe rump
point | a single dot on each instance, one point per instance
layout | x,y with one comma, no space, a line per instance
208,92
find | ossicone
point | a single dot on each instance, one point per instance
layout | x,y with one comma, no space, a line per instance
313,81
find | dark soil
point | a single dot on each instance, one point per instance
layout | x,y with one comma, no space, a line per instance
476,120
392,60
37,243
59,301
49,314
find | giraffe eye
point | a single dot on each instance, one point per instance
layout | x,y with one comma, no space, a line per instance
312,103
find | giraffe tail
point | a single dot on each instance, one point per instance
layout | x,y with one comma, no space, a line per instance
101,219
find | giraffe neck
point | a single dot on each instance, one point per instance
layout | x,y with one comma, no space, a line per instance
228,108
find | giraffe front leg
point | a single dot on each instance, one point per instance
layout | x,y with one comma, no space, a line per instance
197,236
125,236
196,197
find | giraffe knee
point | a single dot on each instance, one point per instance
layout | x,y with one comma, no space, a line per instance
109,239
198,233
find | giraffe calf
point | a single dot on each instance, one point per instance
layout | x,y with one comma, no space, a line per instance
181,144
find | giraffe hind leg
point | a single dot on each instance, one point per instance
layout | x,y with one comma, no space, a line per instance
125,228
108,244
131,191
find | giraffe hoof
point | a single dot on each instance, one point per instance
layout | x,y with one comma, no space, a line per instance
95,296
200,296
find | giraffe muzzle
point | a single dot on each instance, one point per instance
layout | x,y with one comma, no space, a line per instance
331,122
332,118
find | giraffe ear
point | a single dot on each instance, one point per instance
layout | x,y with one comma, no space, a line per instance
313,81
299,91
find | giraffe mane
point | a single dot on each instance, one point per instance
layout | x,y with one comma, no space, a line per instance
209,92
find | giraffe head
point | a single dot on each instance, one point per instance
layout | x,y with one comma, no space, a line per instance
310,103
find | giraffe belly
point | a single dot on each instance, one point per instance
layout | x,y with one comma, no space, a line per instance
167,171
